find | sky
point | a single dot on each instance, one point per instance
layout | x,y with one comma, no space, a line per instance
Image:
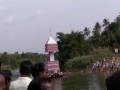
25,25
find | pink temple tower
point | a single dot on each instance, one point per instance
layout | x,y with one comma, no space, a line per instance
53,65
51,47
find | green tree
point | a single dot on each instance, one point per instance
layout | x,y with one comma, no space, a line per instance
114,32
97,30
105,35
96,39
4,57
86,33
71,45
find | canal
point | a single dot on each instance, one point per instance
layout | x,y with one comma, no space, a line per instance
80,81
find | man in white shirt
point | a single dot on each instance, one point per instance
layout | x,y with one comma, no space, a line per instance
23,81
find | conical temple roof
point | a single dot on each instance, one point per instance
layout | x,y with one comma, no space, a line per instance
51,41
51,45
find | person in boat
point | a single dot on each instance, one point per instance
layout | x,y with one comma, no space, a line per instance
23,81
39,70
41,83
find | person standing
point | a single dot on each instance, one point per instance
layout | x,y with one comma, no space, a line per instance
7,76
2,83
23,81
41,83
39,70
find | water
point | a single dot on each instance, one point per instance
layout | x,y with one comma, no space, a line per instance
85,81
57,82
81,81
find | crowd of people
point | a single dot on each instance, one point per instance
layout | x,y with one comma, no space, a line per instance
107,65
113,81
39,73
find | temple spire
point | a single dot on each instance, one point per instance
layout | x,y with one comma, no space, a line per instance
50,31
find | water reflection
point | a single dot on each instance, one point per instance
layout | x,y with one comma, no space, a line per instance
58,83
93,83
85,81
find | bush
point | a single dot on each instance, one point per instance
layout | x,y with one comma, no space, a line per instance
82,62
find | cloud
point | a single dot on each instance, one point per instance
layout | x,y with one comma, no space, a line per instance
36,14
10,20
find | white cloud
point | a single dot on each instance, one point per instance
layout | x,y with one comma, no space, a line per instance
36,14
10,20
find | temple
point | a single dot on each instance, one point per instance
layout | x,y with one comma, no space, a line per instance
53,65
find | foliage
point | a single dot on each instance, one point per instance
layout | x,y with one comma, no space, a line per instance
12,61
72,45
86,31
79,62
96,39
85,61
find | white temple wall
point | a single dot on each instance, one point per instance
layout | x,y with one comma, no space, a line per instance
52,56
